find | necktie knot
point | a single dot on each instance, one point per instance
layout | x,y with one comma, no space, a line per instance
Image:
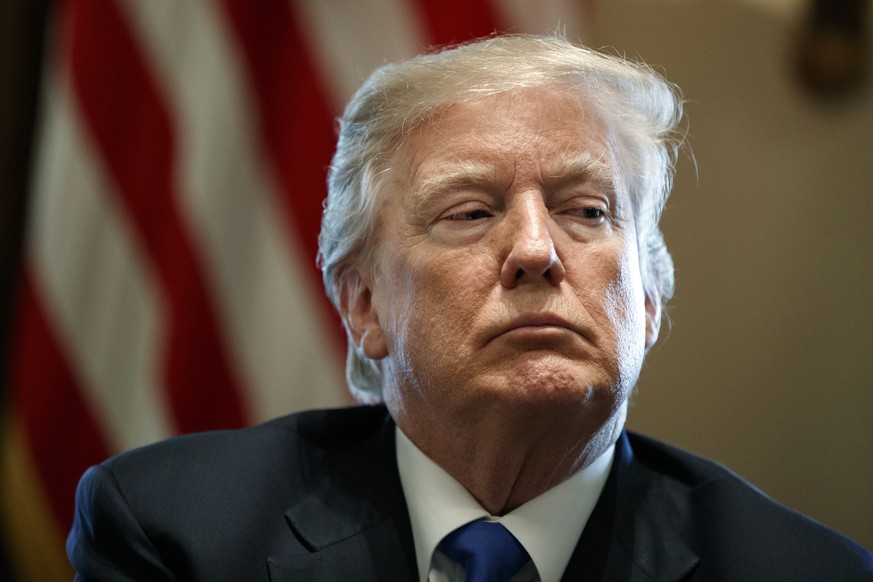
486,550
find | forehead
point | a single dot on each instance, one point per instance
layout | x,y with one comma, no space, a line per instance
526,135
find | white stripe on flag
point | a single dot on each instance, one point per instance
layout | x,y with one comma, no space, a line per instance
268,310
350,38
95,281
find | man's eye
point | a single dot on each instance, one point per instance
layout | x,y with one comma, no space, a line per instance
590,213
469,215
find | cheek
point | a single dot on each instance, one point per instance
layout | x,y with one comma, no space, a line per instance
609,284
430,311
624,305
612,288
442,301
450,281
420,298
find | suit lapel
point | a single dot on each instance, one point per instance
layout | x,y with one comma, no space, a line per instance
631,535
353,523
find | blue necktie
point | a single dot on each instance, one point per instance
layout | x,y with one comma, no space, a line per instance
486,550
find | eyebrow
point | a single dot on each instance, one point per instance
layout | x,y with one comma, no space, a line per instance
584,168
461,174
567,169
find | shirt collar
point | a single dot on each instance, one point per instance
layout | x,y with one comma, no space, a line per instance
548,526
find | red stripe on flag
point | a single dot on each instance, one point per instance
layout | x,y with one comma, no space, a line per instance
132,129
296,120
61,433
452,21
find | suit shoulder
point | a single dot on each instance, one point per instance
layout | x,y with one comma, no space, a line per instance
332,426
192,498
279,446
685,468
725,515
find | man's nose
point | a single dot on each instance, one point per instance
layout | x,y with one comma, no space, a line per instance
532,256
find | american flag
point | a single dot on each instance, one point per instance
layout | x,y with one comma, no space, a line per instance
169,279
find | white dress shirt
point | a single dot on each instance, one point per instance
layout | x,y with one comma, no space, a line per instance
548,526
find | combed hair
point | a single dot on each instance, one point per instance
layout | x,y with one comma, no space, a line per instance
642,110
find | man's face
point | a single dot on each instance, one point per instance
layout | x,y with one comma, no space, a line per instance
507,280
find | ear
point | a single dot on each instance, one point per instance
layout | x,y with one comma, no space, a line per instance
360,317
653,318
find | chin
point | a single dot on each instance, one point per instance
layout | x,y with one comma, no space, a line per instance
556,381
564,373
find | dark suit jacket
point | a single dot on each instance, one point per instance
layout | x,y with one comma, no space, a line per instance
316,496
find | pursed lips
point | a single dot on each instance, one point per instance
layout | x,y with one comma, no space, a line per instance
539,320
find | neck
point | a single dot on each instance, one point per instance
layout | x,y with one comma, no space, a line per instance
505,460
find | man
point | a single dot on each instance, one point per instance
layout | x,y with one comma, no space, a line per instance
491,241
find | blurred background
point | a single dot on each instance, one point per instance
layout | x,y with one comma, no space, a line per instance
161,175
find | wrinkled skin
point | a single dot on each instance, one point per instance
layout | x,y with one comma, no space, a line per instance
507,303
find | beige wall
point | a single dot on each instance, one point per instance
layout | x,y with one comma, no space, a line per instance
768,368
